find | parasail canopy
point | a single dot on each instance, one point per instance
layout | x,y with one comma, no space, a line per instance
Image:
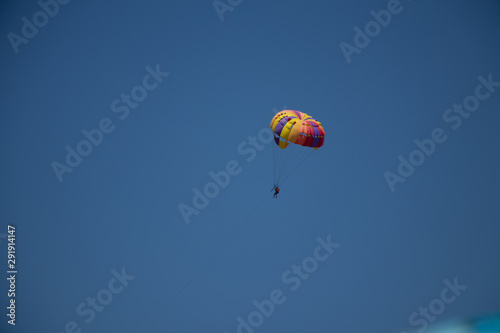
291,126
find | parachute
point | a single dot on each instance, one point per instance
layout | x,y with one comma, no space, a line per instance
295,133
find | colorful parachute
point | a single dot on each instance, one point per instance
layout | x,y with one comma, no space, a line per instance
303,132
290,126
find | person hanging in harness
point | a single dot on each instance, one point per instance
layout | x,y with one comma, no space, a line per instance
276,192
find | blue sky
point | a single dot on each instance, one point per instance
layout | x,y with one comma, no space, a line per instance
118,210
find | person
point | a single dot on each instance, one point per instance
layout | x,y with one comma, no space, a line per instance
276,191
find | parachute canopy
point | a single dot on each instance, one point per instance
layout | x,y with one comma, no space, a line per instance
290,126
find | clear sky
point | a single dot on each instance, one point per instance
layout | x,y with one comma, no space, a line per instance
170,91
